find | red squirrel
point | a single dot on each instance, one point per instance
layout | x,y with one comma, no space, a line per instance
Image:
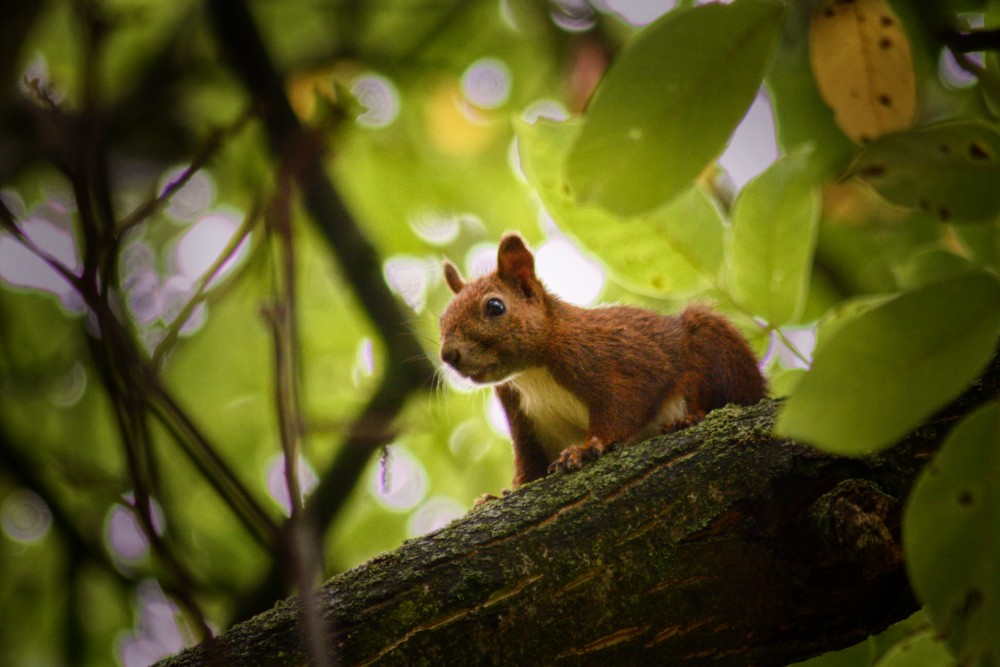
575,382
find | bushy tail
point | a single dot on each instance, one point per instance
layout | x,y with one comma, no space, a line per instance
725,357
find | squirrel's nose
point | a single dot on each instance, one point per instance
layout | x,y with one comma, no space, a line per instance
450,354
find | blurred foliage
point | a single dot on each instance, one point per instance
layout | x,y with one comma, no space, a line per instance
143,411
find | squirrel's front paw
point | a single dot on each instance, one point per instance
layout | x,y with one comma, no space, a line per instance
574,456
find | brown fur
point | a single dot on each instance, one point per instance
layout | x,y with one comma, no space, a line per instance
635,372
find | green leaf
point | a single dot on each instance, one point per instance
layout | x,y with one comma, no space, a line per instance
899,636
982,242
852,656
950,170
783,381
925,649
678,248
775,219
883,372
670,102
876,648
951,538
989,83
845,311
929,265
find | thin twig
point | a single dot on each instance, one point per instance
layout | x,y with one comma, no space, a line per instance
236,33
304,556
9,222
53,263
132,420
84,155
789,344
281,315
215,142
125,367
206,458
174,331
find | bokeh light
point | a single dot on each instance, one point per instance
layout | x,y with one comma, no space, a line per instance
175,295
545,108
399,483
36,73
380,99
439,228
191,200
637,12
71,387
953,75
409,277
573,15
205,241
24,517
434,513
496,417
468,441
125,536
141,281
47,227
804,341
480,260
364,362
277,485
486,83
157,633
567,273
754,145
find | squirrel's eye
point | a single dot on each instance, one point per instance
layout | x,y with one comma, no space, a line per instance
495,308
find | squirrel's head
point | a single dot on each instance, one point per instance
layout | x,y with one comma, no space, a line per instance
495,326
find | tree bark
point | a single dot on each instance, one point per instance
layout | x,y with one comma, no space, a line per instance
718,545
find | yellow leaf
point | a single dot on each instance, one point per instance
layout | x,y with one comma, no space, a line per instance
861,60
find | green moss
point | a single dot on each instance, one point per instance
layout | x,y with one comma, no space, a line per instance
663,511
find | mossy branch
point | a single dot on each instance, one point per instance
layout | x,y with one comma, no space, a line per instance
717,545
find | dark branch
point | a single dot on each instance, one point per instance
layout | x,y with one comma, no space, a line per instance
971,41
719,545
407,367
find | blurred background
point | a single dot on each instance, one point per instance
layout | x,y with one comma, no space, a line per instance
411,103
175,323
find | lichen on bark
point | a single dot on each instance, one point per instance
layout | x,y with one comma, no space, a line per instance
708,546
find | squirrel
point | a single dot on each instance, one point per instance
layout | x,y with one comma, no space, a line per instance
576,382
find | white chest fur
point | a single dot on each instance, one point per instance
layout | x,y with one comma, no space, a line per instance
559,418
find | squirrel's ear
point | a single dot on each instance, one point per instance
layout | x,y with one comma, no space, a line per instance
515,264
453,278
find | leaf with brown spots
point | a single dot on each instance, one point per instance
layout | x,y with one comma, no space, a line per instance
863,67
951,538
950,170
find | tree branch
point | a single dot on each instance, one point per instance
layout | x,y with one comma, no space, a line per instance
718,545
358,258
972,40
407,368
